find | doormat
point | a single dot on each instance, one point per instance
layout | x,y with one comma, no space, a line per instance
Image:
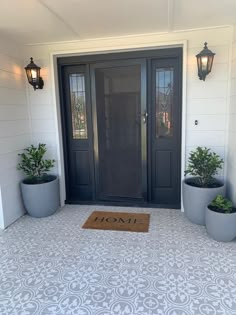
118,221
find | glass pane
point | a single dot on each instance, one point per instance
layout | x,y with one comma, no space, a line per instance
164,102
118,95
78,106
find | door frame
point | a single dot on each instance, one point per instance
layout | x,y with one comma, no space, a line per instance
148,49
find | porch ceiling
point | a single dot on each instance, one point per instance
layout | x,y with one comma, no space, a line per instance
38,21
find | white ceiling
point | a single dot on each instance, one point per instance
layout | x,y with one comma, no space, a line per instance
41,21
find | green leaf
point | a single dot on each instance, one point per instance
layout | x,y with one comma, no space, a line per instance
223,204
204,164
33,163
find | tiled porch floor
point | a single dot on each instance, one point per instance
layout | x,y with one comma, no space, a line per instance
51,266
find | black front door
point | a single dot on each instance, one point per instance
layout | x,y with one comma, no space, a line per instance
121,123
118,96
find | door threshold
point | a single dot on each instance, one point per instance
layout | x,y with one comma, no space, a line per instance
125,204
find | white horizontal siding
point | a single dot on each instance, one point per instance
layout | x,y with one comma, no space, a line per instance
14,144
201,138
43,125
12,80
44,137
14,130
207,89
208,122
9,161
11,201
40,97
233,87
12,96
42,112
233,104
16,112
207,106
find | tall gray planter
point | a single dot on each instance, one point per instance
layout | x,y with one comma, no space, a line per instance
195,200
221,226
41,200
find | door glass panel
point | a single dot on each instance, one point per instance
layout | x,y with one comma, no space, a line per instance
164,102
78,106
118,99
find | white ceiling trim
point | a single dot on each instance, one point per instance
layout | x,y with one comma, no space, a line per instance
58,17
203,28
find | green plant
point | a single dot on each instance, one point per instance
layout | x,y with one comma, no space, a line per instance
34,165
204,164
222,204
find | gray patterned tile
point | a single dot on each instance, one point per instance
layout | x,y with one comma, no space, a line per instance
51,266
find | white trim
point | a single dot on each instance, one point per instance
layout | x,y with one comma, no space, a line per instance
57,112
228,101
56,99
184,116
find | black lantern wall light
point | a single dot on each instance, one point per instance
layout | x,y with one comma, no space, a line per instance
204,62
33,75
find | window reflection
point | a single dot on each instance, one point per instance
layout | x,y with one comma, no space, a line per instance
164,102
78,106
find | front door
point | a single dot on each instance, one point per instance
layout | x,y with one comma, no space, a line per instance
121,122
118,97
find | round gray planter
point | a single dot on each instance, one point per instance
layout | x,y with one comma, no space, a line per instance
221,226
195,200
41,200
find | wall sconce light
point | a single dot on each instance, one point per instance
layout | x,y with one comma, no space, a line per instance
33,75
204,62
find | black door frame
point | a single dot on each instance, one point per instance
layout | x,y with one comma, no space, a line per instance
148,55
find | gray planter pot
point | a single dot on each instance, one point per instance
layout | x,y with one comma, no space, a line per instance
221,226
195,200
41,200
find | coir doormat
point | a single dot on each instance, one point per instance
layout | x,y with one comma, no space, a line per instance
118,221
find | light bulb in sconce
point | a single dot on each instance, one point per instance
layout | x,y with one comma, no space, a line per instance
204,63
34,74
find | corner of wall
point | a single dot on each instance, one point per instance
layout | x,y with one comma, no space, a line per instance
14,129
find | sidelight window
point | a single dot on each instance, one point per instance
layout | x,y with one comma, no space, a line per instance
78,106
164,102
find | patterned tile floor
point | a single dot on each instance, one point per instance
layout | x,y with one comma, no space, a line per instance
51,266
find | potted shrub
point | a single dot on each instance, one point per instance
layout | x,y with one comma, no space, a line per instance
40,191
202,187
221,219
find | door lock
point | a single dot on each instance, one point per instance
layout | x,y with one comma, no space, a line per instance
145,116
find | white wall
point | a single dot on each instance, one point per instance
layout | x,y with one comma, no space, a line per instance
206,101
14,129
231,174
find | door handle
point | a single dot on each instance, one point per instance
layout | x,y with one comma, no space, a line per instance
145,116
